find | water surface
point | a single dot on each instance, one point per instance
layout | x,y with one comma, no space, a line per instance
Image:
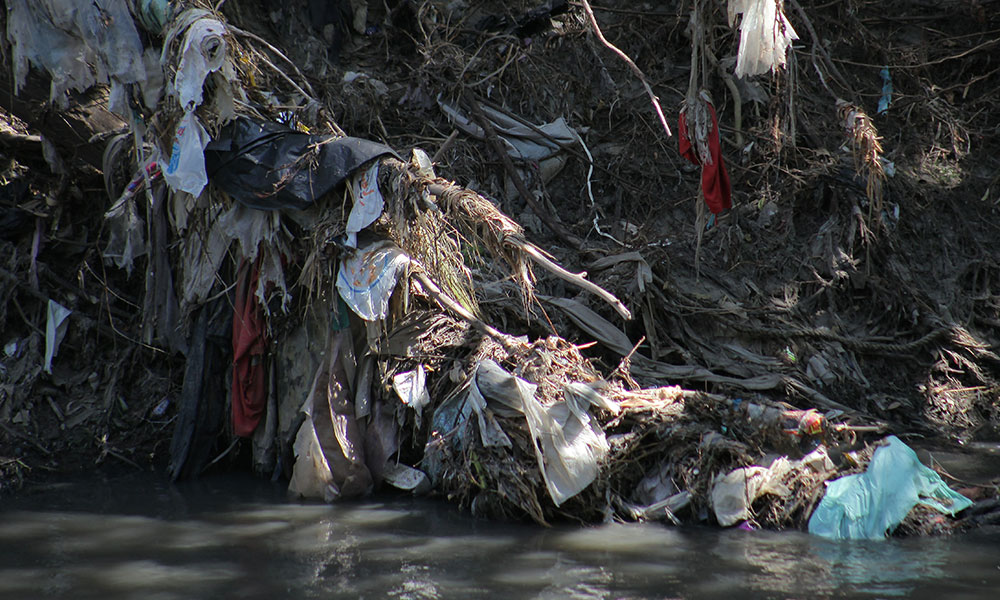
236,537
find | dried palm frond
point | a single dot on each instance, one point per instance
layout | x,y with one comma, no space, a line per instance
867,149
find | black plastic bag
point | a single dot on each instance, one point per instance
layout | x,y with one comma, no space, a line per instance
268,166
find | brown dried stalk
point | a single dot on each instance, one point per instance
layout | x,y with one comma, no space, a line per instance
867,149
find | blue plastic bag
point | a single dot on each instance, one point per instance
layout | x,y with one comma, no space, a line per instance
870,504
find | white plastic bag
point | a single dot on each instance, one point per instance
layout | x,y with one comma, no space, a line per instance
204,51
367,278
186,170
368,201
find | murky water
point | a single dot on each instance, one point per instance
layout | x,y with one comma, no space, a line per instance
139,537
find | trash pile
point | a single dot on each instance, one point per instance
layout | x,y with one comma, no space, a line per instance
353,321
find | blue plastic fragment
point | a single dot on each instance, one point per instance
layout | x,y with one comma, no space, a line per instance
886,99
870,504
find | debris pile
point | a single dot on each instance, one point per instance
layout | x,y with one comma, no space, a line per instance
333,311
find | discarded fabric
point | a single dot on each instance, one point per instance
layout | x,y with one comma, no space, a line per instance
249,350
870,504
702,148
268,166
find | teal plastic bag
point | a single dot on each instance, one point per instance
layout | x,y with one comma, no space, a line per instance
870,504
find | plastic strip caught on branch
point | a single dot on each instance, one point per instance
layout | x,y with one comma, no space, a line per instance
765,35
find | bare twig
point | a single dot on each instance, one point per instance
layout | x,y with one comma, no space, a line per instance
577,279
514,238
635,69
451,305
311,95
819,46
552,223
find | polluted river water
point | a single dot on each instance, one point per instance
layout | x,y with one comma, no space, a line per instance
236,537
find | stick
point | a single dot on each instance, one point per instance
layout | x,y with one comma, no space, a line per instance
491,136
577,279
635,69
451,305
533,252
257,38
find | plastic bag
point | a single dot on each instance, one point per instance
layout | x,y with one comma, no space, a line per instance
367,278
186,169
204,51
368,201
268,166
870,504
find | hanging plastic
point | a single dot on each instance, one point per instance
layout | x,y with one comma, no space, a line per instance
268,166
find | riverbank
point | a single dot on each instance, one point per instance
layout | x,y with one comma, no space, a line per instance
844,297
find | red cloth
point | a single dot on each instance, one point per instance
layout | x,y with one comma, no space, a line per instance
249,347
715,184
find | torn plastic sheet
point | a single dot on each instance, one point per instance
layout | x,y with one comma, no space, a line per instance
368,202
268,166
406,478
203,51
250,228
765,35
55,331
733,494
126,237
569,444
868,505
367,277
311,475
456,410
411,387
77,43
329,446
522,142
202,253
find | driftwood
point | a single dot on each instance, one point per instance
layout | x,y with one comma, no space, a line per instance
72,131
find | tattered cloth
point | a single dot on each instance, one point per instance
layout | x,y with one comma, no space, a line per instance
268,166
715,184
249,347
